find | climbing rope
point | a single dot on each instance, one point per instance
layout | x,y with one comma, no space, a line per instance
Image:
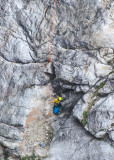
52,31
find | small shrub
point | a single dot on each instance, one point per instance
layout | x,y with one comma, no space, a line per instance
84,122
32,157
85,114
97,89
112,124
101,85
92,103
101,130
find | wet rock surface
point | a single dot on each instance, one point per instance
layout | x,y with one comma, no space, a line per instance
81,71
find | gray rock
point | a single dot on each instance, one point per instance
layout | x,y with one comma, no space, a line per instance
96,114
1,151
82,56
82,69
100,134
42,144
111,135
101,115
73,142
107,88
19,84
49,68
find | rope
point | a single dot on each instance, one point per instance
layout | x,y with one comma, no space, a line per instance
52,31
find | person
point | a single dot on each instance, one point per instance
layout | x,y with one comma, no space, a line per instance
57,105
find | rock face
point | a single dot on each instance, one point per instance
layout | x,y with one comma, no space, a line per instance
82,72
73,142
25,98
96,114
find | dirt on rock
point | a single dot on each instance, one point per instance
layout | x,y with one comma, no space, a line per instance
37,128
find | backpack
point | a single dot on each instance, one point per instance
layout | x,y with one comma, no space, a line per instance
56,109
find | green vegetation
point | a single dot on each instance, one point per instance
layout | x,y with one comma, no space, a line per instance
92,103
33,157
97,89
111,144
95,94
85,114
84,122
112,124
111,72
101,130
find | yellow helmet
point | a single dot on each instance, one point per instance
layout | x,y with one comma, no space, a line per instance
60,98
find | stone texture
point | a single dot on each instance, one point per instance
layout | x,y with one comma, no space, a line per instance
82,60
37,124
81,67
73,142
99,113
107,88
1,151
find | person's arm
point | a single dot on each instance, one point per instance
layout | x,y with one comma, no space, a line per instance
53,101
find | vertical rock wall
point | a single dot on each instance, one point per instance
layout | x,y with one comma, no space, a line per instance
83,74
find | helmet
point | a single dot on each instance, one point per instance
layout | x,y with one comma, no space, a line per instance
60,98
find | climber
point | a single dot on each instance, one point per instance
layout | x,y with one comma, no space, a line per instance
57,105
